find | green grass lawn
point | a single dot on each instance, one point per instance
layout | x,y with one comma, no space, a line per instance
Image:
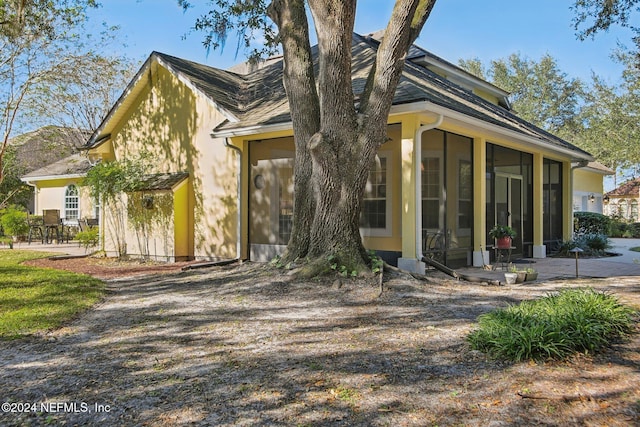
35,300
635,249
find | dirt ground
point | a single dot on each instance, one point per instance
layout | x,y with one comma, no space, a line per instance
242,345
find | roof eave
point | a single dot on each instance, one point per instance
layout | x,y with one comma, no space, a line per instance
462,74
98,137
512,134
28,179
426,107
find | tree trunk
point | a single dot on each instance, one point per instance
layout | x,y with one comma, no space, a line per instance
299,82
335,143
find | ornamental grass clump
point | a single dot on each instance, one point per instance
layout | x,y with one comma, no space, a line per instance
553,327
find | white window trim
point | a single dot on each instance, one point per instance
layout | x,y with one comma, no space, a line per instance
277,160
387,231
433,154
64,203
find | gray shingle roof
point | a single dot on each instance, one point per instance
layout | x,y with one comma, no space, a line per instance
162,181
259,98
223,87
75,164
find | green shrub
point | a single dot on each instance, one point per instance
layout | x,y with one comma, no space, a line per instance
591,223
620,227
88,238
14,222
592,244
553,327
634,229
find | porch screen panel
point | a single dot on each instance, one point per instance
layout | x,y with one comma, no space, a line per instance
459,196
432,181
271,194
552,202
447,193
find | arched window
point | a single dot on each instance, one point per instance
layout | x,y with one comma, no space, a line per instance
71,203
634,211
622,209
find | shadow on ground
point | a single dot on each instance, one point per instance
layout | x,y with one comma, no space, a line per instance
242,346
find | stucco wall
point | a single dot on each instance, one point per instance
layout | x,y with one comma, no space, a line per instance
171,123
50,195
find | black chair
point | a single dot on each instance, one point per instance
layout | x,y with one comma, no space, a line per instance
434,245
51,219
36,226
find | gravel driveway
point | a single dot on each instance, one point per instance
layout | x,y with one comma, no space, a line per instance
242,346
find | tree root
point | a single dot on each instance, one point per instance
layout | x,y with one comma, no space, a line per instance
421,277
563,398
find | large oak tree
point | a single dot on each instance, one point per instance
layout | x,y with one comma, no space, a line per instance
336,138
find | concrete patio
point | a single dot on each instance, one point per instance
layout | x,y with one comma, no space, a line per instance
627,263
71,248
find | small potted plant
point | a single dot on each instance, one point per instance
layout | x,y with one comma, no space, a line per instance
521,275
532,274
511,275
503,235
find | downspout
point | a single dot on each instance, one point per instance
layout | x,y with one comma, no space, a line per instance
239,202
35,195
418,173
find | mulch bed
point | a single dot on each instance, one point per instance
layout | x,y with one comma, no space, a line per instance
109,268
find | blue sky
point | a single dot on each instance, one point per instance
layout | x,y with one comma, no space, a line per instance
488,29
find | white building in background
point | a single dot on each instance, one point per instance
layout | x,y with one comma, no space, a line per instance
623,201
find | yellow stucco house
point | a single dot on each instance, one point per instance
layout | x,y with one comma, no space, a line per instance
58,186
588,187
457,162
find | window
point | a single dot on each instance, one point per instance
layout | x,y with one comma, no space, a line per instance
465,196
71,203
285,197
376,213
431,191
623,209
634,210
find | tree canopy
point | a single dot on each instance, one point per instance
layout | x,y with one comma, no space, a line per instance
597,116
43,44
594,16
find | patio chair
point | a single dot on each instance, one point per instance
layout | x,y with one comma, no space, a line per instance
51,219
36,226
433,245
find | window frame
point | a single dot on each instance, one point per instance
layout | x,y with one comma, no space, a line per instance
66,201
387,231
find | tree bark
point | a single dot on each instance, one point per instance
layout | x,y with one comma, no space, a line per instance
299,82
335,143
338,178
